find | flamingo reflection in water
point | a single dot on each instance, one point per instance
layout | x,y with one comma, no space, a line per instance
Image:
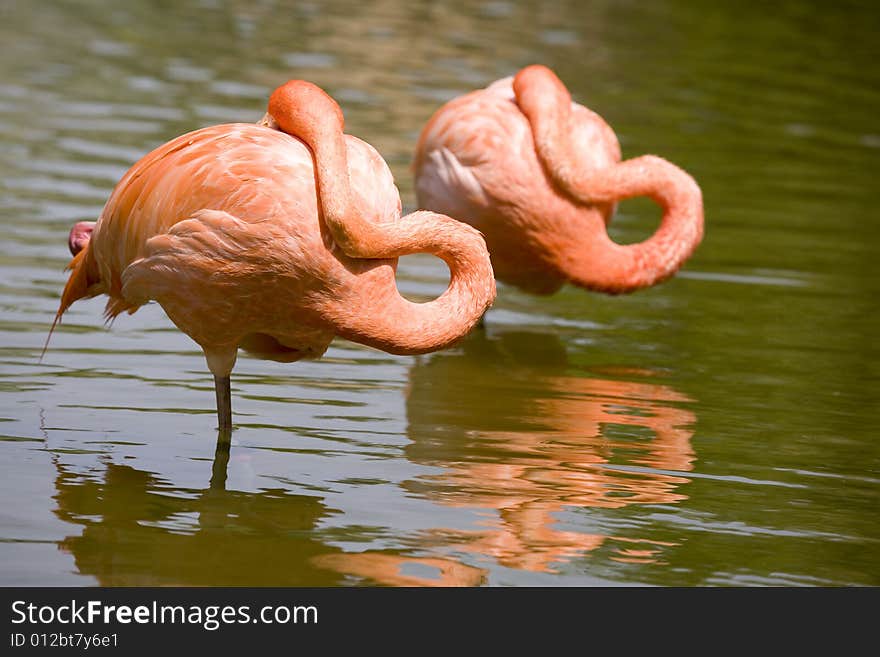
572,442
552,441
140,530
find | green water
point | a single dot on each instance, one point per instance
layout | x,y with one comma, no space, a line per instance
719,429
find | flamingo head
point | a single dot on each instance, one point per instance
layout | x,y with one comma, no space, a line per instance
79,236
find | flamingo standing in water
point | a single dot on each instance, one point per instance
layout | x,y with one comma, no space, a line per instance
539,176
276,237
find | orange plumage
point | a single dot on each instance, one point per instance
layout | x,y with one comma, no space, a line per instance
539,176
236,229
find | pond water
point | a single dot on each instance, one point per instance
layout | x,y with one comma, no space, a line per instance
718,429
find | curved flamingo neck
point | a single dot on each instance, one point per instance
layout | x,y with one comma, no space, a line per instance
305,111
604,265
382,318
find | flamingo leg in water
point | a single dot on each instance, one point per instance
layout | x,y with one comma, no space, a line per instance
221,460
224,403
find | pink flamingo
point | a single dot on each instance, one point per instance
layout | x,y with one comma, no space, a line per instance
276,237
539,176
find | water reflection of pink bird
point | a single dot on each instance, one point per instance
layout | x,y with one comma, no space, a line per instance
556,441
276,237
539,176
570,465
128,527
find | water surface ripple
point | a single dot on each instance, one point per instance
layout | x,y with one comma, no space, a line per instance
718,429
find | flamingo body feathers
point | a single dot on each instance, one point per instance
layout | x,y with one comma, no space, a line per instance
234,230
540,177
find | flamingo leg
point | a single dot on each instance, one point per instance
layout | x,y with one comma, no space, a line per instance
221,460
224,403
